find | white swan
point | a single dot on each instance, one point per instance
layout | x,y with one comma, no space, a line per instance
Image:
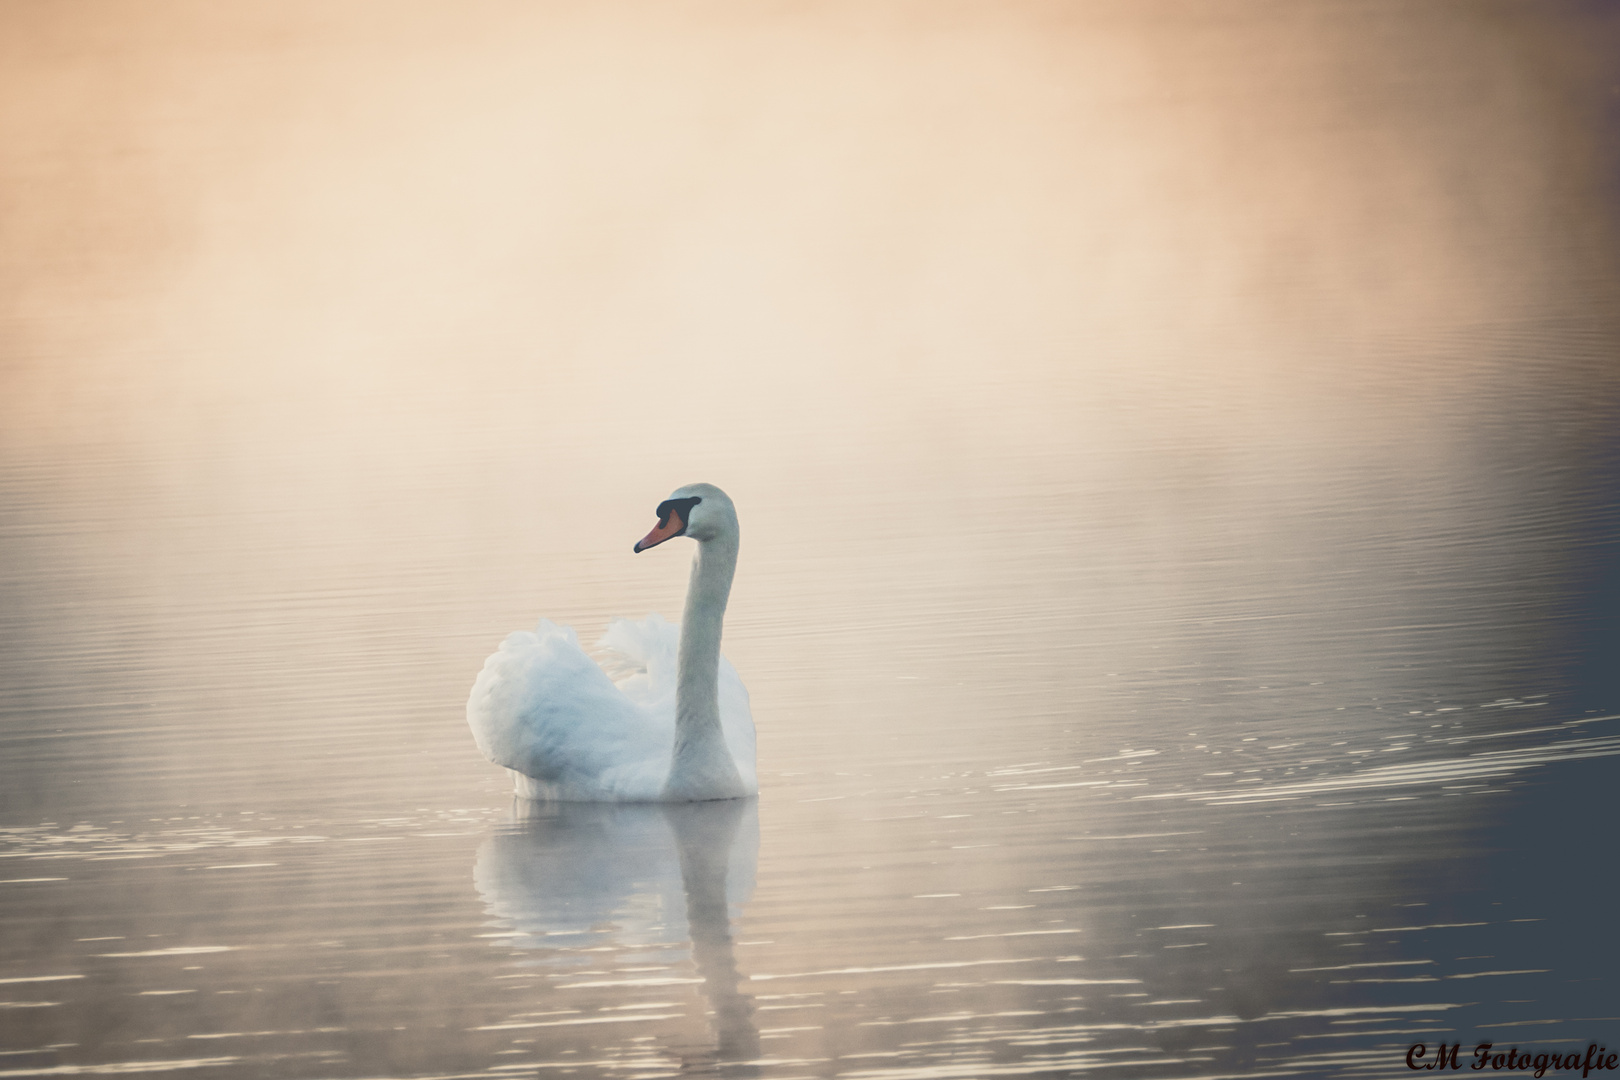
676,730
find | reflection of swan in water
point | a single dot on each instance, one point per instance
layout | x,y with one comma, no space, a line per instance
678,731
570,874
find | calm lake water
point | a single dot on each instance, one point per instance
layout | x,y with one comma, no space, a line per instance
1177,452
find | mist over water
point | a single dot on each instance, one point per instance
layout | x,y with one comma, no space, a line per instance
1176,461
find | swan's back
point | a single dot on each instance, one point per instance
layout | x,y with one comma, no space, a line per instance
546,710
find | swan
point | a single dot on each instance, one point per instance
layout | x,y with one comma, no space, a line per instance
677,729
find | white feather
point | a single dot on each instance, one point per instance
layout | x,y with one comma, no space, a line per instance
544,709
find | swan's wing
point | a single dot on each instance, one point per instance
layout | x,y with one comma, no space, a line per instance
641,657
544,708
644,651
647,650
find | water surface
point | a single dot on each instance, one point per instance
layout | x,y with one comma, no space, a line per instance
1176,458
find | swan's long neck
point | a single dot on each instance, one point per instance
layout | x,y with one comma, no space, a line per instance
702,766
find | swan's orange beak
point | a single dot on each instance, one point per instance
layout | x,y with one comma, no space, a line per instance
674,525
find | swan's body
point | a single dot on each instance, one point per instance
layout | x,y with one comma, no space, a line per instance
677,729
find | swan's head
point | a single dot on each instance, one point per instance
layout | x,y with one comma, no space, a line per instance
701,511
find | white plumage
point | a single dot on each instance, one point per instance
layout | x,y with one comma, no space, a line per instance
675,727
545,709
